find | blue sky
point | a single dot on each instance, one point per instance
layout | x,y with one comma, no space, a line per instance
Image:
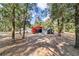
41,10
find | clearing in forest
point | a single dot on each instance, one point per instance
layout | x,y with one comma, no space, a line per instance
39,44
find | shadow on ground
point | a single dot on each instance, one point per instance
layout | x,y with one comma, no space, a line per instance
46,45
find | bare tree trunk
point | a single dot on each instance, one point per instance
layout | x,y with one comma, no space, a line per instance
77,25
59,34
60,26
13,24
24,23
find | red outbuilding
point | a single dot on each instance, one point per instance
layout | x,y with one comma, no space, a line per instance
37,29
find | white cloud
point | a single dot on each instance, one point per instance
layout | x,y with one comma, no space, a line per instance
42,5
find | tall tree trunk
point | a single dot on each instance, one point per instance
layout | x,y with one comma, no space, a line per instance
13,24
24,23
77,25
60,26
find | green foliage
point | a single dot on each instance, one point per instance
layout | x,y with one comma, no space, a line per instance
57,11
5,26
67,11
6,16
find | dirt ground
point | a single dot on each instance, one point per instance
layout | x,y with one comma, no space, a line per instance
38,45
